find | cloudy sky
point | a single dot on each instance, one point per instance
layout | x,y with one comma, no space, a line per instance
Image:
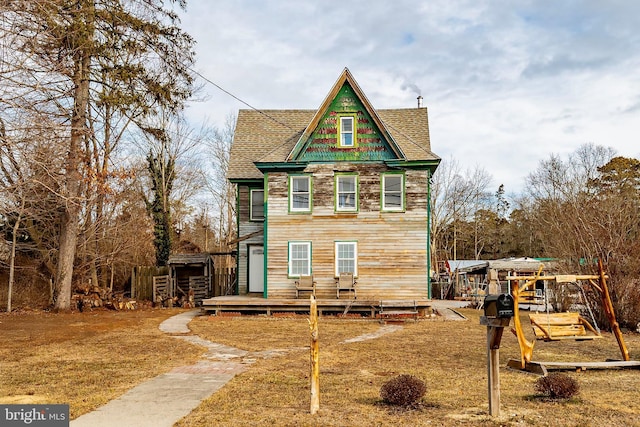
507,82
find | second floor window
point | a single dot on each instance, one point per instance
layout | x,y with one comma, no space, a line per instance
347,193
257,205
393,192
299,193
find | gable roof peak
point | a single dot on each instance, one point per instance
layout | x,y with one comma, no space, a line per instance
345,78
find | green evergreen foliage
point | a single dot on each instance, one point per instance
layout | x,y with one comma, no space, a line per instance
161,172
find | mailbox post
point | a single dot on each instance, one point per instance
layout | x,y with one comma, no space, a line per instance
498,311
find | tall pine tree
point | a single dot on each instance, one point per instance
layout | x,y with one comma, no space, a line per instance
58,56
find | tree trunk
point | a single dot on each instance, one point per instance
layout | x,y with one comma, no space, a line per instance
66,257
70,220
12,262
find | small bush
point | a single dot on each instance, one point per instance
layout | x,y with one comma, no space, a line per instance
403,390
557,386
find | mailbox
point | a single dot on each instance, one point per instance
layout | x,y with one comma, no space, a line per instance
498,305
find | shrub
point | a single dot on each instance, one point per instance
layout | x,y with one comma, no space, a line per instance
557,386
403,390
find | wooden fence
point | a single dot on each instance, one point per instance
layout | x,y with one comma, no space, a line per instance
223,280
142,281
198,285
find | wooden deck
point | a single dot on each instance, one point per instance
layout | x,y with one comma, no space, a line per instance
246,304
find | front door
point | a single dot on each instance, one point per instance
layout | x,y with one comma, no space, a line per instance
256,269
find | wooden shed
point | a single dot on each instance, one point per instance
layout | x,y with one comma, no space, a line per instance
191,272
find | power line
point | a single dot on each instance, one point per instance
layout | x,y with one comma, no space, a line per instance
240,100
411,140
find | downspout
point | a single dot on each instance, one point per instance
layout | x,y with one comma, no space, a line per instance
264,233
429,233
237,289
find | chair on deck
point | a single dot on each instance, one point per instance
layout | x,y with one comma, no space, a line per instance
346,282
305,283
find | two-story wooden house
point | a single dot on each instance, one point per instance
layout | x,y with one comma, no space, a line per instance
344,188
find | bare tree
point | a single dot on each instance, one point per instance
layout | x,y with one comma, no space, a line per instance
55,53
218,143
455,196
175,177
27,194
587,207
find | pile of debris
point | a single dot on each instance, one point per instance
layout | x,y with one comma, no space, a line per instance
184,301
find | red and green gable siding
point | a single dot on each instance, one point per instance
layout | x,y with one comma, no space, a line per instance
323,144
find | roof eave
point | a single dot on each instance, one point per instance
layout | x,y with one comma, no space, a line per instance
280,166
246,181
414,164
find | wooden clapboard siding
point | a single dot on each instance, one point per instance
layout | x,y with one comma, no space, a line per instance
246,227
392,246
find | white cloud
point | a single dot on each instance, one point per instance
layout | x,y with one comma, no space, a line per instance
506,82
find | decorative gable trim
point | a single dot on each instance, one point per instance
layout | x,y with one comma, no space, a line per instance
345,78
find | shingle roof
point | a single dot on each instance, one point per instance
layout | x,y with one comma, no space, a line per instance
270,135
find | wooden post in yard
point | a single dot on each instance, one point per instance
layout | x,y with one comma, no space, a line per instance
315,355
495,327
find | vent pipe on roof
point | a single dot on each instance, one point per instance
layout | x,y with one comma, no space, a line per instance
419,101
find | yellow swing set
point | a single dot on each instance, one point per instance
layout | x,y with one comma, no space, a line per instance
565,325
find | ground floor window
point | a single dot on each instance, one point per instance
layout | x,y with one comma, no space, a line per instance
346,260
299,259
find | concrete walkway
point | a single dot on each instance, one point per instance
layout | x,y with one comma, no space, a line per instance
448,308
154,404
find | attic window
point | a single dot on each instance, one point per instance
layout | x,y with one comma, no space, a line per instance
347,135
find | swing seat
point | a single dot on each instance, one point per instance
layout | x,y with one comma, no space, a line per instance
562,326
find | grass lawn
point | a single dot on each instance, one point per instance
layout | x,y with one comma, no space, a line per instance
449,356
86,359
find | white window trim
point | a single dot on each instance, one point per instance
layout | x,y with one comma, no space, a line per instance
353,132
356,195
355,257
290,263
251,197
384,193
291,208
